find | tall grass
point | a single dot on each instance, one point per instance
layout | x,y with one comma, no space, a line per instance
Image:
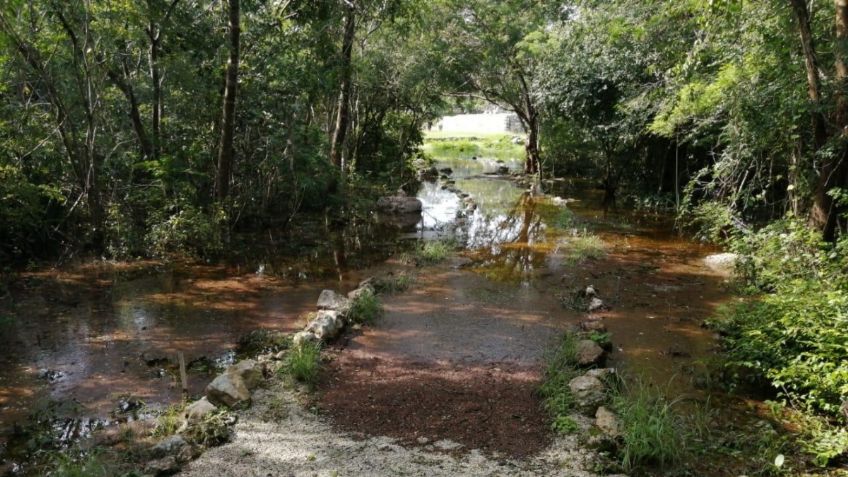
556,395
303,362
653,433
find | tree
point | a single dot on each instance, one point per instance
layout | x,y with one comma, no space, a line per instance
228,120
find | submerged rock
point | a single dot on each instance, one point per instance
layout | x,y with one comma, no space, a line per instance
399,205
589,353
228,390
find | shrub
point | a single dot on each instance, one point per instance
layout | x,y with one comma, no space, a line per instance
366,308
430,253
188,231
393,283
303,362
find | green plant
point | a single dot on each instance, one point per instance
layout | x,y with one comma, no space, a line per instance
303,362
169,420
556,395
431,253
85,465
393,283
365,308
214,429
188,231
583,246
652,432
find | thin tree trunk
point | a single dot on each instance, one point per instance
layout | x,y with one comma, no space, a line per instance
135,116
225,151
343,115
156,83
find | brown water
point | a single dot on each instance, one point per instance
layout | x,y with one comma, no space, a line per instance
94,335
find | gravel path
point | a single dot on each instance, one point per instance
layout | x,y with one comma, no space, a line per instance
279,437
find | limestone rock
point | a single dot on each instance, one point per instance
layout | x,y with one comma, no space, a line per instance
607,422
362,290
330,300
198,410
164,466
326,325
249,371
228,389
588,391
596,304
724,263
304,337
399,205
169,446
589,353
600,373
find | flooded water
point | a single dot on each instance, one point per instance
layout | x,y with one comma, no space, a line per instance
101,336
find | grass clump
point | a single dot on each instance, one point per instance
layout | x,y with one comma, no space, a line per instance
365,308
556,395
169,421
431,253
393,283
652,432
303,363
582,247
86,465
215,429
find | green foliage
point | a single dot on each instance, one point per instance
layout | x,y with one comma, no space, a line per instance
583,246
491,146
430,253
365,308
86,465
653,433
303,362
712,222
169,420
25,214
393,283
188,231
556,395
213,430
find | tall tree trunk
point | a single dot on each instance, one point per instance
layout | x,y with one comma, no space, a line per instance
225,151
531,120
123,84
156,83
343,115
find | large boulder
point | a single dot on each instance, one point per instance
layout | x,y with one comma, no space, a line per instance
589,353
399,205
428,174
588,392
249,371
326,325
228,389
330,300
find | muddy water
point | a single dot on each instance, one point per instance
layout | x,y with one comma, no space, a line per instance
463,351
91,337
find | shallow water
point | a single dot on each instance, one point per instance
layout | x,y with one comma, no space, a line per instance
97,335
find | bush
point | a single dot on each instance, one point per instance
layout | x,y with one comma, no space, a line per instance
431,253
188,231
365,309
303,362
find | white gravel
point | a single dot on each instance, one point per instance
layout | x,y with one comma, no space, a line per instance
278,437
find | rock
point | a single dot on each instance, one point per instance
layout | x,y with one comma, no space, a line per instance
304,337
228,390
446,170
169,446
607,422
330,300
165,466
249,371
596,304
590,291
198,410
600,373
723,263
399,205
588,391
517,140
593,325
326,325
362,290
589,353
429,174
502,170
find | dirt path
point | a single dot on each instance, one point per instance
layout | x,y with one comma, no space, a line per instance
457,357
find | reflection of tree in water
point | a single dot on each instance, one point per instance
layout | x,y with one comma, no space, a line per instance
506,240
